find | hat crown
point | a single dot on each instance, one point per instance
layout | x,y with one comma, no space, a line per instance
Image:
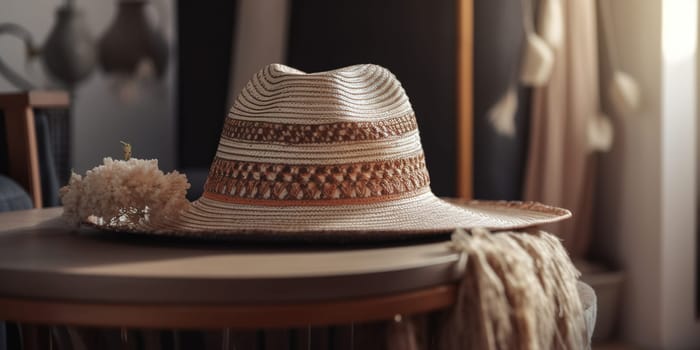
346,135
355,93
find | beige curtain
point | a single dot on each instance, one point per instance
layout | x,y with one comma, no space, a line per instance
560,168
259,38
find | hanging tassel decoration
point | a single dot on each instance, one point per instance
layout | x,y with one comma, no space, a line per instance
502,114
623,90
550,23
623,93
518,291
537,62
600,133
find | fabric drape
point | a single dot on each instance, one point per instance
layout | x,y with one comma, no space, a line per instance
560,165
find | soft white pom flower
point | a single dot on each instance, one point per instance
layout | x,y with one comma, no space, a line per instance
124,193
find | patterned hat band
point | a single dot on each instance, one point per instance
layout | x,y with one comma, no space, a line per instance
243,130
278,184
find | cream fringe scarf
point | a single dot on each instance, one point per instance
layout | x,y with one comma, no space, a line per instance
518,292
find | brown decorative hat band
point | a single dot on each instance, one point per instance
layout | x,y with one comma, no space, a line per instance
244,130
365,182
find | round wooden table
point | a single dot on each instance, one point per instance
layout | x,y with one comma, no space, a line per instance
51,274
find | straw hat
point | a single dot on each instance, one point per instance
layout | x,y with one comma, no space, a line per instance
330,155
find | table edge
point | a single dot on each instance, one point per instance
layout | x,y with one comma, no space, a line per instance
224,315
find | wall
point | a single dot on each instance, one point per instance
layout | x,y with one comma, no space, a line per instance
680,326
100,118
646,194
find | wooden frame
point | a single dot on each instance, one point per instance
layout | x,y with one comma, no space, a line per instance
22,148
248,316
465,47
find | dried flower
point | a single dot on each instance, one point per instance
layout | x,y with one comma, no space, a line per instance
126,147
124,193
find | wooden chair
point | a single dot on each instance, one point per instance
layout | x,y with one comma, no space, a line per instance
23,155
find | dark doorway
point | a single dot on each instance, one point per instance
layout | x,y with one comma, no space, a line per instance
414,39
204,53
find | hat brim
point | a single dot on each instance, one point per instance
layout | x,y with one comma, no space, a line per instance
416,217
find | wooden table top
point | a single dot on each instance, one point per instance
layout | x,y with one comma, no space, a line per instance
41,258
52,274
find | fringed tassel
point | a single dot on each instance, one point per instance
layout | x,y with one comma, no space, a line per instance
518,292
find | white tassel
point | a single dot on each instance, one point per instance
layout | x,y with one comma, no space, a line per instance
550,23
537,62
623,92
623,89
502,114
600,133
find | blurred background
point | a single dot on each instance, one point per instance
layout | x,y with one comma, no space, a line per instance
589,105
